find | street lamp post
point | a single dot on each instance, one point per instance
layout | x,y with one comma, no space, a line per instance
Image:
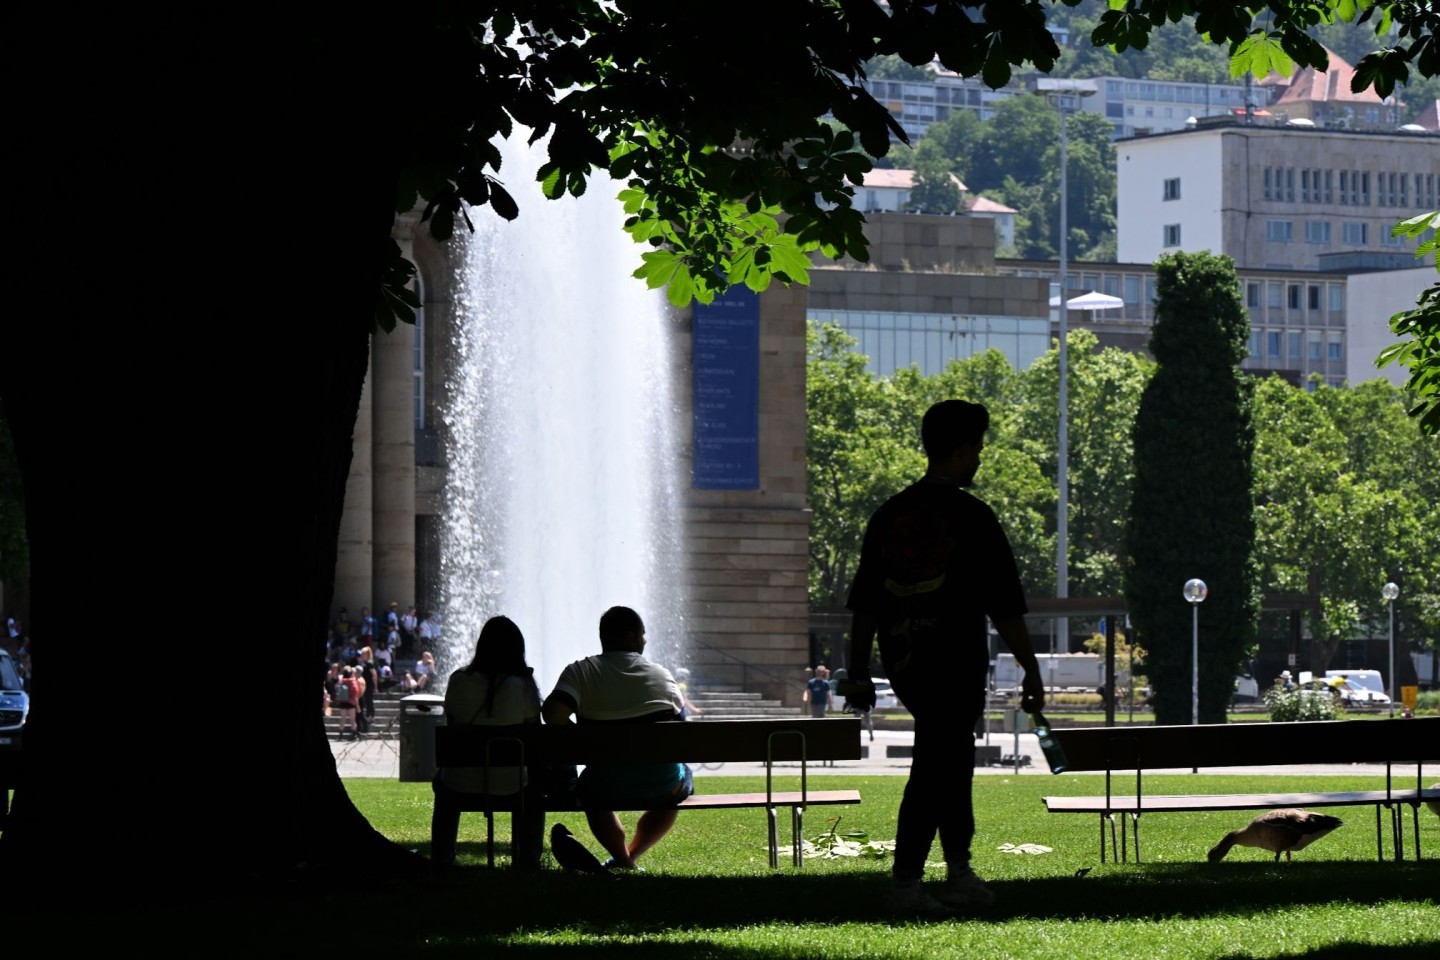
1390,592
1057,92
1195,592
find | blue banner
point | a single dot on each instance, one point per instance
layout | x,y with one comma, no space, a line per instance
725,352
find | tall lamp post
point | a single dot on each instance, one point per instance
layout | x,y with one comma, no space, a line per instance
1195,592
1061,92
1390,592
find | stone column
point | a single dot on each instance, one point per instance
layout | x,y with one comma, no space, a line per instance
353,584
393,403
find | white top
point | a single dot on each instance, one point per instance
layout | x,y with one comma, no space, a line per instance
619,685
516,701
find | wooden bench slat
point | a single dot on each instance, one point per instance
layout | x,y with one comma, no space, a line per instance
790,798
1233,801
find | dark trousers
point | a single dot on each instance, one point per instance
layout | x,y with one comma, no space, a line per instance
942,770
527,828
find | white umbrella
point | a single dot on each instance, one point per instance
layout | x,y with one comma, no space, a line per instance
1090,301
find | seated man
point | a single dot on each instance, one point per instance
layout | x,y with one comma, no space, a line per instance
621,686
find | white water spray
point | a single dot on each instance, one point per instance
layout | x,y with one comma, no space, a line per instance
562,494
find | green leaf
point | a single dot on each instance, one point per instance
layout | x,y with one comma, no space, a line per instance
681,288
551,183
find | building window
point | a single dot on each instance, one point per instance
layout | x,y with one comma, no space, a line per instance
1337,298
1267,183
1252,295
1293,296
1254,346
1364,189
1279,231
1314,295
1172,189
1317,231
1403,178
1172,234
1329,183
1290,184
1356,234
1304,186
1132,289
1272,344
1344,187
1312,345
1293,338
1332,346
1275,296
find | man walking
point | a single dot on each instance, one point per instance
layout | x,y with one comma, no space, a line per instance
933,565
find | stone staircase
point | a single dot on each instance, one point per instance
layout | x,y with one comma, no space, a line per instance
721,703
715,702
386,724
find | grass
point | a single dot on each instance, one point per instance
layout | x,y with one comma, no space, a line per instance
708,891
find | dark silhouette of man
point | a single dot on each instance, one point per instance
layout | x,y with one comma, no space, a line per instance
934,564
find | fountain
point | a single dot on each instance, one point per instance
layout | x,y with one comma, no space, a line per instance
563,493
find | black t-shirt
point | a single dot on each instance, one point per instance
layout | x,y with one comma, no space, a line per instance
934,563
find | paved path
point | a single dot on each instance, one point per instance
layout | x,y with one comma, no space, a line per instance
381,758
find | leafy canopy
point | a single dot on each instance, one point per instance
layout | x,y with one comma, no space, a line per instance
732,175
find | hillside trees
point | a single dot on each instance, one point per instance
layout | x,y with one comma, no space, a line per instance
1346,499
1191,513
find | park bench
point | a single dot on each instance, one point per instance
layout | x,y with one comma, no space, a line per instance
710,741
1150,749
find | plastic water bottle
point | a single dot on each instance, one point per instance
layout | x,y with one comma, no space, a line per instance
1054,753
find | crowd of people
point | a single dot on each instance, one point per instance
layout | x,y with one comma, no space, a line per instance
367,655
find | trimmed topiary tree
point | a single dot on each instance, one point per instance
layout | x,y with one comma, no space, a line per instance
1191,510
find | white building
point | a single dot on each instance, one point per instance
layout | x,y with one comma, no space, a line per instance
1278,197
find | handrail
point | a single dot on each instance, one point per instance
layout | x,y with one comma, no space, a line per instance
745,666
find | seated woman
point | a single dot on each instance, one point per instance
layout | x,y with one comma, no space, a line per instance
497,688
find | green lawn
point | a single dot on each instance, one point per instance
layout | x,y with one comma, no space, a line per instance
708,891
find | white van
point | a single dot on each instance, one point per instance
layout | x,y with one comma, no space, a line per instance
1360,686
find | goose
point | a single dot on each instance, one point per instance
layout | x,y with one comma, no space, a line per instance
1282,831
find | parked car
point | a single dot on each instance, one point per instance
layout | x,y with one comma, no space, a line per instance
885,698
14,703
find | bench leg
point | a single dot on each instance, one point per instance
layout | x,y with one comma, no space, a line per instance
1136,818
1415,816
490,839
797,814
1379,837
774,840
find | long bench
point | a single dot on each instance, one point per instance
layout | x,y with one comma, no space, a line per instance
1148,749
708,741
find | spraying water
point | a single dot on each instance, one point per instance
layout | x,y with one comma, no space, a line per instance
563,496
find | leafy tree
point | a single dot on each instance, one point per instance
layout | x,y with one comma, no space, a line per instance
1345,492
893,67
935,189
1420,354
1191,513
855,458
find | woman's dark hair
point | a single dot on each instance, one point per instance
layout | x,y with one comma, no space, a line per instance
499,653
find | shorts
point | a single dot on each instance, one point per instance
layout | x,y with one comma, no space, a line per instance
648,787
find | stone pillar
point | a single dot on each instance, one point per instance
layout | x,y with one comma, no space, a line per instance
353,584
393,404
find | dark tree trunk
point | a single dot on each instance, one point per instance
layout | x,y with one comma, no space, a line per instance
182,406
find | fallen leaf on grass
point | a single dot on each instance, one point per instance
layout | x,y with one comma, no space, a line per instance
1023,848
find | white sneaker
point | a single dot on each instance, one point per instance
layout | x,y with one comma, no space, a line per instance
911,901
964,889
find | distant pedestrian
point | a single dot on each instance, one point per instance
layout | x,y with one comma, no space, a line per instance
817,691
